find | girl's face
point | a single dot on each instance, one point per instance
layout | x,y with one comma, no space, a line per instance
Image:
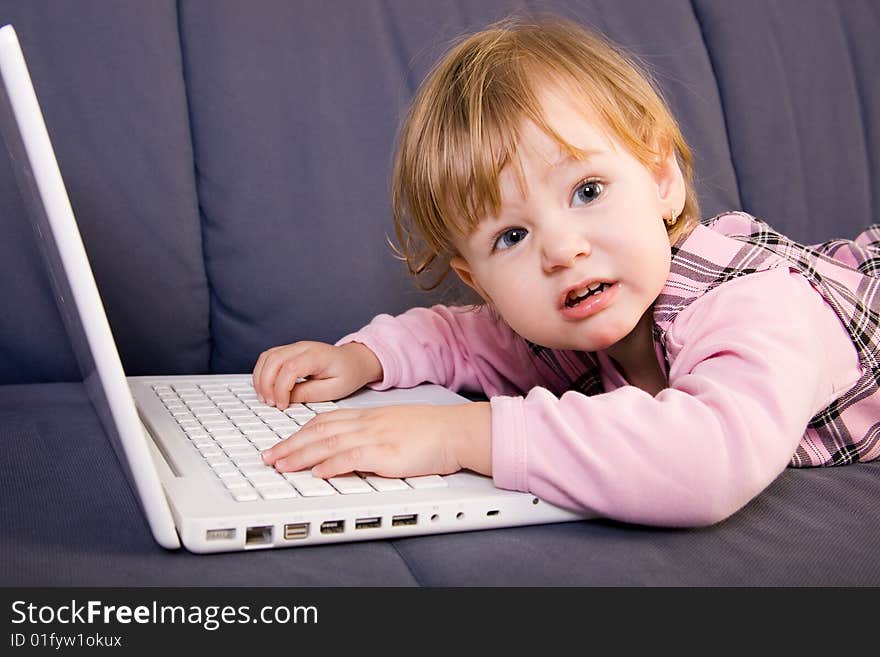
575,259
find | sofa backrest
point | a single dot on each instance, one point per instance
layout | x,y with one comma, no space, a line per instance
229,162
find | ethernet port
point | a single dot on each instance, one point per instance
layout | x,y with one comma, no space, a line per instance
258,535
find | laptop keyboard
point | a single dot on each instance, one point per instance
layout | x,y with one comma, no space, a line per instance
229,427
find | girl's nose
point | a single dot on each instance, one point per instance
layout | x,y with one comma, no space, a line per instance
562,247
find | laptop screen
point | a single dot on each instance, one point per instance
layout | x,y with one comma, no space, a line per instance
76,294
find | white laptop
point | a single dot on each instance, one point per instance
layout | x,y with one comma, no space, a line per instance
189,445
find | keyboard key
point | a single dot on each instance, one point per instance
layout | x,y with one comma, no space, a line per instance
256,436
257,431
428,481
199,405
313,487
299,474
241,450
286,428
246,460
270,440
230,407
209,414
210,449
264,477
281,491
219,422
231,440
214,386
298,410
235,480
222,399
386,484
349,484
248,468
323,407
218,458
225,468
271,414
251,422
265,443
202,443
244,494
205,445
224,434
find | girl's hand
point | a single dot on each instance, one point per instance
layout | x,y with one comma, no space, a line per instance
390,441
333,372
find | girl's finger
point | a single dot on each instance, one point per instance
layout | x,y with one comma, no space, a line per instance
285,381
276,359
365,458
314,390
342,421
268,371
294,365
258,369
302,457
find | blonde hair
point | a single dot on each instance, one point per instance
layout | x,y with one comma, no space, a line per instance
463,127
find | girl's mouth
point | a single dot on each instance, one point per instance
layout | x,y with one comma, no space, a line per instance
577,296
586,301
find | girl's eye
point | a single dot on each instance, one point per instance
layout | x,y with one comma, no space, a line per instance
587,192
509,238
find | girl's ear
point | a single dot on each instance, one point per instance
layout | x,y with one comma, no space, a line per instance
463,270
670,181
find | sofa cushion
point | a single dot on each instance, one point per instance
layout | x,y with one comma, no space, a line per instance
803,121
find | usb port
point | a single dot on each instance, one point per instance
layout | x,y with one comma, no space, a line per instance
367,523
333,527
408,519
296,531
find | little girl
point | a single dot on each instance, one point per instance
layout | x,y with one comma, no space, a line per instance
639,364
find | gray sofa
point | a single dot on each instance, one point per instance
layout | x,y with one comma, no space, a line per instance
228,162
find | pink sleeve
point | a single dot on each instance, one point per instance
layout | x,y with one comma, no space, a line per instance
461,348
746,377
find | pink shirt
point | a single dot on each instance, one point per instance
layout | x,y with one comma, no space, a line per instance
751,362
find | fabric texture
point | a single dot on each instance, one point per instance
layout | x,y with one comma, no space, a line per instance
844,272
